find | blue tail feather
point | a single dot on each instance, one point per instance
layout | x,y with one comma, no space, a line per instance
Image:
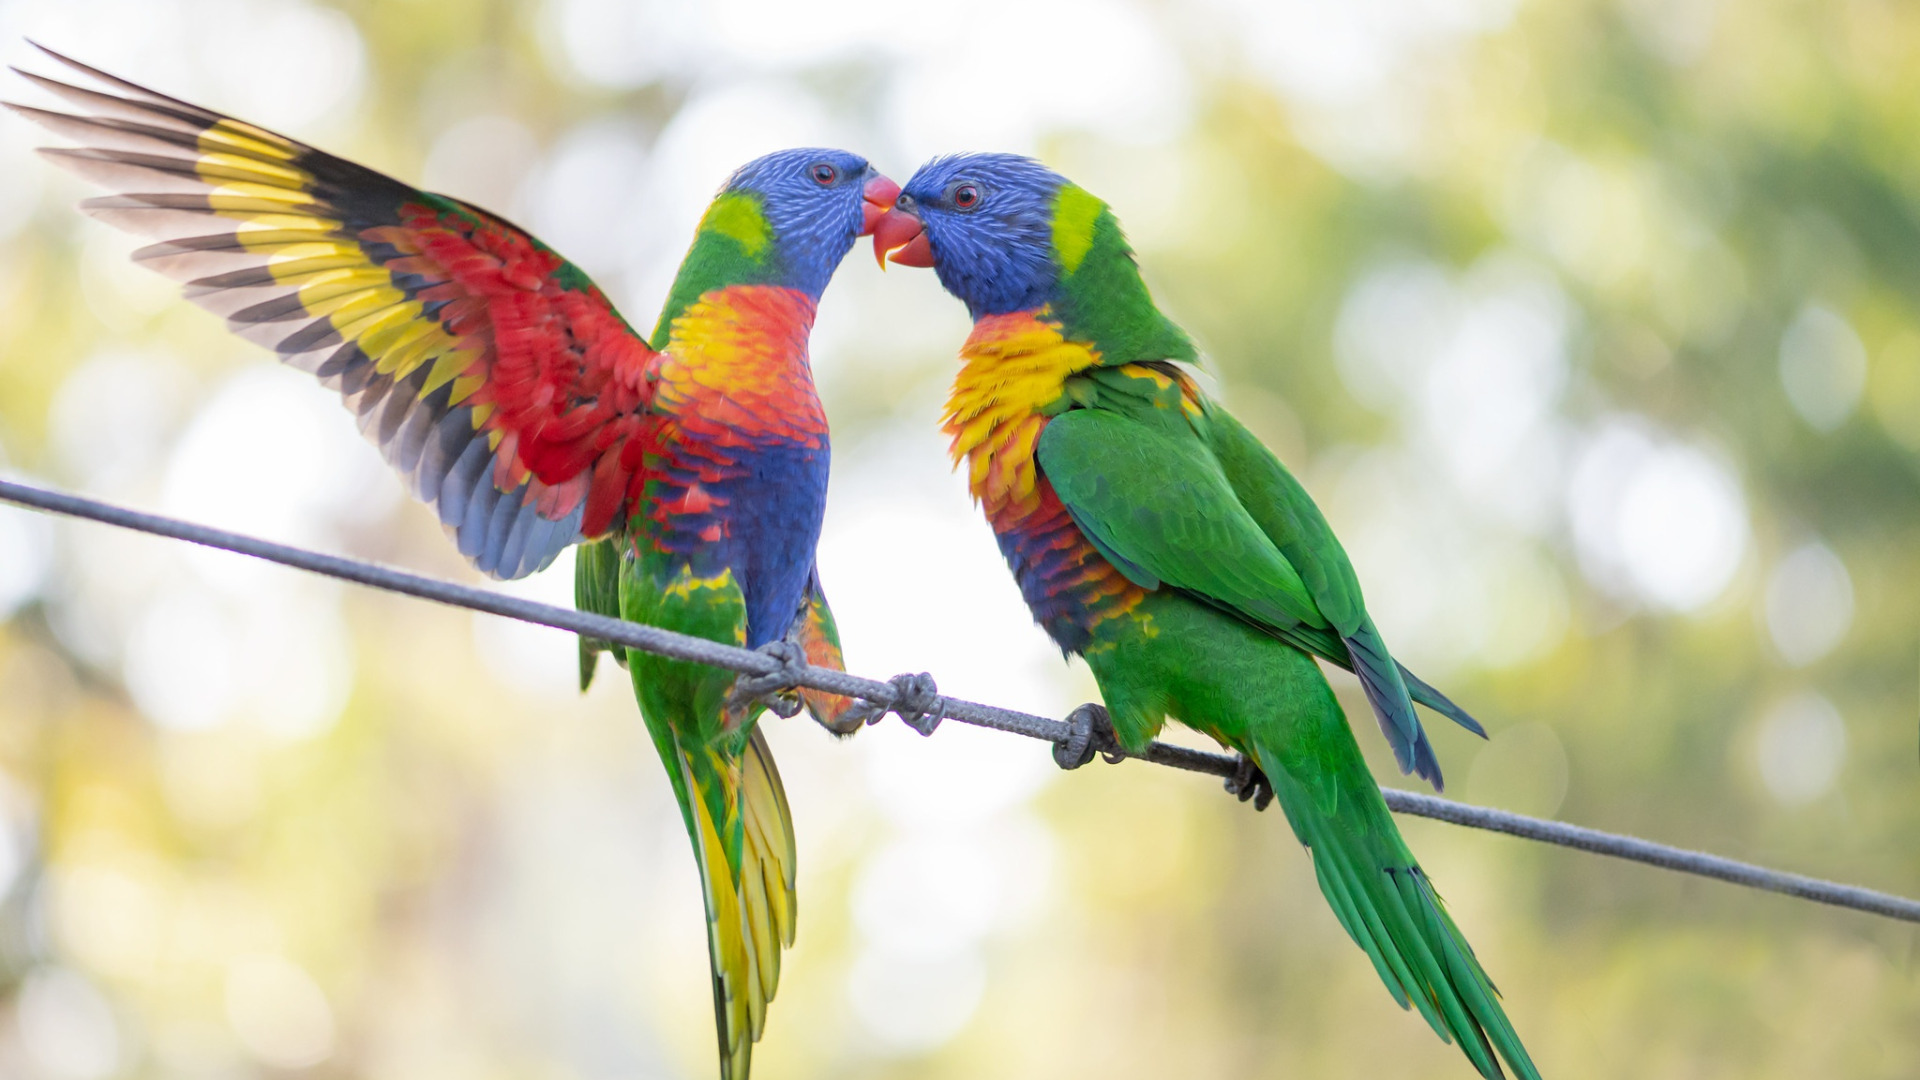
1380,677
1425,694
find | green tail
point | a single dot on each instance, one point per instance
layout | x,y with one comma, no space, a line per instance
596,590
735,809
1378,892
730,795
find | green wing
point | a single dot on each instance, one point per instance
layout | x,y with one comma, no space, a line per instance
1288,516
1223,520
1158,507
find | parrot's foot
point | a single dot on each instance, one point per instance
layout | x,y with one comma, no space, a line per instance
916,700
1092,732
775,689
1248,782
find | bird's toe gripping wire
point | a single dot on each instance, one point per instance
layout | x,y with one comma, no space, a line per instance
1248,782
916,700
775,689
1092,733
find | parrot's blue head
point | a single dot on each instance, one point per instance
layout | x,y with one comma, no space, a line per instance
985,223
1007,234
800,211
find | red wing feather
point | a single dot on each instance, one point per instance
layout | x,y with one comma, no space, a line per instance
499,381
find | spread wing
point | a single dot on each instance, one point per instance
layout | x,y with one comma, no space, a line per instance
491,372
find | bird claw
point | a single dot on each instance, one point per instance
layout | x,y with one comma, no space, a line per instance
1248,782
916,701
775,689
1092,732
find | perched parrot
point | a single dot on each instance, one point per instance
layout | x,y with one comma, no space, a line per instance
1154,536
691,466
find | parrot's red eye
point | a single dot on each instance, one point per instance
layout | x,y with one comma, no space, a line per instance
825,174
965,196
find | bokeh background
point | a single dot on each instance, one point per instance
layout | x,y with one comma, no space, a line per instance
1594,325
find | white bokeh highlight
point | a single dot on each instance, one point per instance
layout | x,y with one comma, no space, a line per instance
278,1012
1823,367
1801,747
1656,520
1808,604
482,159
617,45
67,1025
212,52
113,416
1355,75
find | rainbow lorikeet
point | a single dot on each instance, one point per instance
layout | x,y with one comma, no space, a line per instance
518,403
1154,536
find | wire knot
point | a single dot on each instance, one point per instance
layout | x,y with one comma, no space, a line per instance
916,700
1092,732
775,689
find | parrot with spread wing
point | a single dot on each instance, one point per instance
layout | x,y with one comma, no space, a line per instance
691,466
1151,534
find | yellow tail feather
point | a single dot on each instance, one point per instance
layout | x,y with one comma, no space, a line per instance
751,908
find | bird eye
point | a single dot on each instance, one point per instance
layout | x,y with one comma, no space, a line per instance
825,173
964,196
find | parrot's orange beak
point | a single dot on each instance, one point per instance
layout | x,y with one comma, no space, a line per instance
901,234
880,195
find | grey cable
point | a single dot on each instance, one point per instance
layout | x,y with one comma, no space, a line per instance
916,697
